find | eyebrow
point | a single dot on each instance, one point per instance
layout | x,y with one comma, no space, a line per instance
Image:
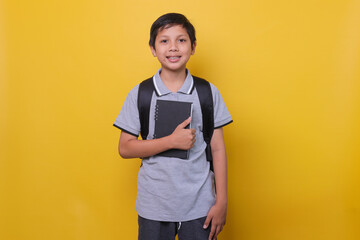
166,36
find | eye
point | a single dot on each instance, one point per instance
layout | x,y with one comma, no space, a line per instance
163,41
182,40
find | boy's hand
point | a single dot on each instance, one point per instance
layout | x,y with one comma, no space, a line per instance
217,217
183,138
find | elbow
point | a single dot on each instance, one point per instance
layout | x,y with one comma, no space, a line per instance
126,146
123,153
122,149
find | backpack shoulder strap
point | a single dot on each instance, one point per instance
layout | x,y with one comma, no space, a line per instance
203,89
146,89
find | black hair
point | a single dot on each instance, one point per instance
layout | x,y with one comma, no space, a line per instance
169,20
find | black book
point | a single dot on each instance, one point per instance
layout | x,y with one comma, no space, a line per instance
168,115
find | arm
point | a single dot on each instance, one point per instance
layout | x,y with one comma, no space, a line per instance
217,214
131,147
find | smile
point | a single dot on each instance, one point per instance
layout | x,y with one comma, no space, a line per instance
174,59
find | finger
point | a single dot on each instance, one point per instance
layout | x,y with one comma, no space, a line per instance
212,233
207,221
184,123
193,137
217,232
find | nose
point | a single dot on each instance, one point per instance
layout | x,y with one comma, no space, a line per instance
174,47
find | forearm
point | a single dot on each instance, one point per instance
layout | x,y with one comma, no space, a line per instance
220,171
135,148
220,166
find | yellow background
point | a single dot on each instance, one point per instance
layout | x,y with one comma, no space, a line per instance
289,72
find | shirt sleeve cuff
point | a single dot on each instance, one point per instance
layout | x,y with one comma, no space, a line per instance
223,124
124,130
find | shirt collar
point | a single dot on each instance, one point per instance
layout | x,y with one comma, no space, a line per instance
161,89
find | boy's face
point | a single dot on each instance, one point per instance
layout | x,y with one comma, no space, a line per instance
173,48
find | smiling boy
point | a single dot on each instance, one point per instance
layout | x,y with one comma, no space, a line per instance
176,196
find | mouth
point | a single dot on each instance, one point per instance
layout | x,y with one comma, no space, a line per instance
173,58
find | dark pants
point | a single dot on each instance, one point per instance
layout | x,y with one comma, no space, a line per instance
190,230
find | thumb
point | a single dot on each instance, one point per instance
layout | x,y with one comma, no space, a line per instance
184,123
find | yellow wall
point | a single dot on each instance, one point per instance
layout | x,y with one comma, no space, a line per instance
289,72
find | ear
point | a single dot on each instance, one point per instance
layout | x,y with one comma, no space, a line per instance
193,48
153,51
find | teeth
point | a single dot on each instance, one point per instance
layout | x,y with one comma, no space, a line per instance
173,57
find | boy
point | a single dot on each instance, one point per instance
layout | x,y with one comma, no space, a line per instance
176,196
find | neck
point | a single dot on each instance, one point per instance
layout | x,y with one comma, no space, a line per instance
173,80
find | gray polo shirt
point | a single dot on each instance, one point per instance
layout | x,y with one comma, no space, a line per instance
172,189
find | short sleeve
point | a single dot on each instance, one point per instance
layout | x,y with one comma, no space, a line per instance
222,116
128,118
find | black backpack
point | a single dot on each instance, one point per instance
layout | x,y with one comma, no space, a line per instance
146,89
